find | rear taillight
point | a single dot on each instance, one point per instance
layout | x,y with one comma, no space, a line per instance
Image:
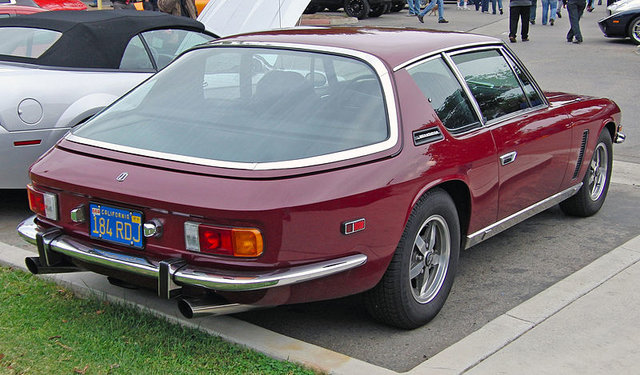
43,204
209,239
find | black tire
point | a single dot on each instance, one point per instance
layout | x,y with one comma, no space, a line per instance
634,30
595,184
311,9
357,8
377,10
404,298
397,6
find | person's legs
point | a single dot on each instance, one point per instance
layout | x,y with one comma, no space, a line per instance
553,9
485,6
572,9
576,30
500,6
525,25
532,11
426,10
412,6
441,11
545,9
514,15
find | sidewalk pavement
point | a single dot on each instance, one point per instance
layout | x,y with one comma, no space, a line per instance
584,324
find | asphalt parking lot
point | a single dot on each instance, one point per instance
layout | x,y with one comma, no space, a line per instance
512,267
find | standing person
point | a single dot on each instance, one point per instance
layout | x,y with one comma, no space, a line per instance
414,7
186,8
432,4
549,8
532,14
575,9
519,10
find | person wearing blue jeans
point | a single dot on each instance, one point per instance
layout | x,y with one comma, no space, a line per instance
532,13
549,9
575,9
414,7
432,4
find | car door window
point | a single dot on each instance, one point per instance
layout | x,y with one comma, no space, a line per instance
492,82
166,44
135,56
441,88
532,94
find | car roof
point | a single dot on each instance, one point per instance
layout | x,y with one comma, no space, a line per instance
394,46
95,39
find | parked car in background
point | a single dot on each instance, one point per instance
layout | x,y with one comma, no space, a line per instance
357,8
622,5
57,69
308,164
48,4
623,22
60,68
16,10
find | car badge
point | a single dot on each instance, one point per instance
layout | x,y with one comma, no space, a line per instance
122,176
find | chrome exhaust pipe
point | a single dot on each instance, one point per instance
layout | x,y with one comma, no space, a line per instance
36,267
198,307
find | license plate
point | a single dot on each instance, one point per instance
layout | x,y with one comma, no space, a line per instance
116,225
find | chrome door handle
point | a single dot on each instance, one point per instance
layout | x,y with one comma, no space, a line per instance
508,158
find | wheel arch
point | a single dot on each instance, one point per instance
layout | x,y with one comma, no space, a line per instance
459,192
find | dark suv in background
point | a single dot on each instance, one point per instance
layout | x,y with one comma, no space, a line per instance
357,8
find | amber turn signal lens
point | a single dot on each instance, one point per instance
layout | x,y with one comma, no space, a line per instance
247,242
210,239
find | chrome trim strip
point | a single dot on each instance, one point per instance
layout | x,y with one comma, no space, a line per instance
508,222
189,275
444,50
389,98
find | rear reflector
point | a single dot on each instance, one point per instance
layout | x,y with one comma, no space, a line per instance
209,239
27,143
43,204
354,226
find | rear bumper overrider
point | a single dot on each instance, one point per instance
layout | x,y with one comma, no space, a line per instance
171,274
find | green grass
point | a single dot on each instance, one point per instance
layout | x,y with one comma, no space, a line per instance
44,329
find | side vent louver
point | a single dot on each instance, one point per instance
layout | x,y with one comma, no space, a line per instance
421,137
583,145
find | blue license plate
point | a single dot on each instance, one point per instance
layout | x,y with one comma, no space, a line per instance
116,225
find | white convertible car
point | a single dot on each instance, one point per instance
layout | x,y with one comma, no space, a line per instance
57,69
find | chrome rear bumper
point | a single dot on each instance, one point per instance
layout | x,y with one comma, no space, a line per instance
174,273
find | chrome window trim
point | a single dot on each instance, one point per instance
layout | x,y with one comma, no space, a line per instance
444,50
447,61
512,58
389,100
500,49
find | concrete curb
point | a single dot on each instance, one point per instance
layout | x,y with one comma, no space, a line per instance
497,334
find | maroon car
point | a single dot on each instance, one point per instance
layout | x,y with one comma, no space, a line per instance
308,164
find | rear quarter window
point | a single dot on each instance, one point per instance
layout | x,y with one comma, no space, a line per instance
26,42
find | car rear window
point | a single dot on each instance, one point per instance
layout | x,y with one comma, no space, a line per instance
26,42
249,105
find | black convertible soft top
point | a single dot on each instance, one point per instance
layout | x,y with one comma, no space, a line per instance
94,39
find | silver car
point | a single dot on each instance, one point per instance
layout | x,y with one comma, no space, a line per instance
57,69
